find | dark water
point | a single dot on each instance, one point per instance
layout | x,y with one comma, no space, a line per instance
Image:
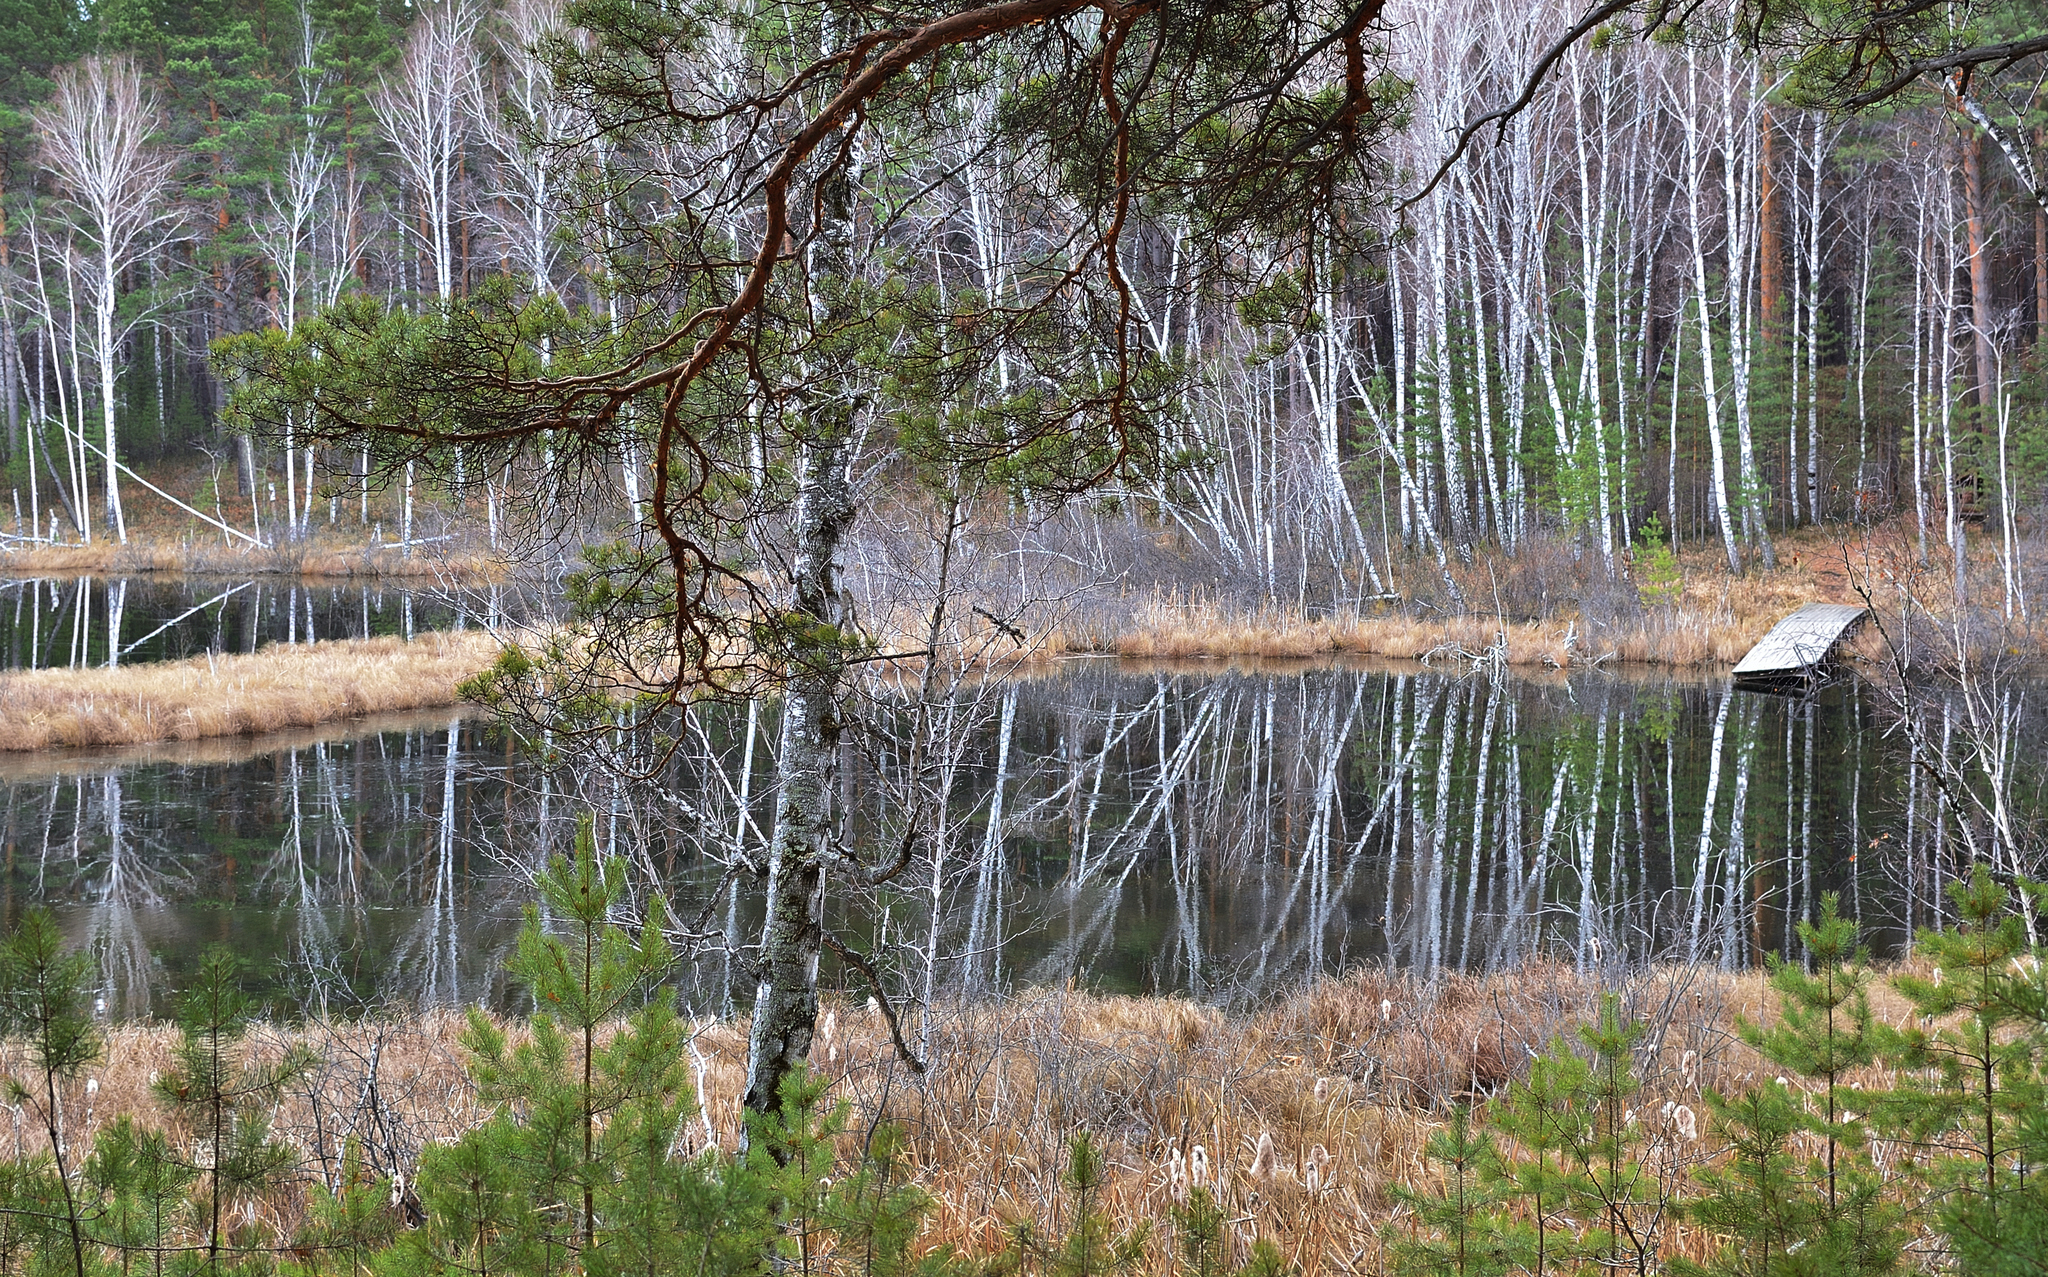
1221,833
89,621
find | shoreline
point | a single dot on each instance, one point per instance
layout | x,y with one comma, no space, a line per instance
285,688
279,687
313,560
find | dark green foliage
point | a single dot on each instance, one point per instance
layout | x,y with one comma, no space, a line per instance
142,1191
579,1169
1659,582
1832,1210
1756,1197
1202,1248
1975,1102
1546,1117
1090,1247
1615,1185
346,1226
36,36
1978,1068
1824,1026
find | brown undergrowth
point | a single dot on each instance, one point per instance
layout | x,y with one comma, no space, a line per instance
1713,620
1301,1117
280,686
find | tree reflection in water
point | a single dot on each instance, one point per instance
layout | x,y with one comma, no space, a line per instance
1217,832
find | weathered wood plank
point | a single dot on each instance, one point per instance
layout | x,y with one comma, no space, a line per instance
1799,643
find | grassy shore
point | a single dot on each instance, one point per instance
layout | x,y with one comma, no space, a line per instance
1307,1115
319,558
1542,618
1712,621
277,687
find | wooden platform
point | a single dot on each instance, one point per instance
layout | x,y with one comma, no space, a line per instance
1798,646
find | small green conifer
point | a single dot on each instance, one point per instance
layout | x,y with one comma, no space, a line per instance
1756,1199
1972,1089
1468,1234
1659,581
46,1002
1610,1161
1824,1024
1091,1245
1546,1117
224,1101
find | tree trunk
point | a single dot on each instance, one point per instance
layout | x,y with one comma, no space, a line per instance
2040,253
792,931
1770,221
1980,272
786,1003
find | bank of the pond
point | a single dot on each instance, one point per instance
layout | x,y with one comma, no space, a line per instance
1527,614
281,686
320,558
344,538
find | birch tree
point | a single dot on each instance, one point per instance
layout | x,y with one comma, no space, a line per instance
95,136
423,107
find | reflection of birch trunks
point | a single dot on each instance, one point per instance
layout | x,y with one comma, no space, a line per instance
123,887
985,928
1704,854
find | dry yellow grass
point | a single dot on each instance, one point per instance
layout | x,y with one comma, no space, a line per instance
324,557
1304,1115
1715,620
277,687
163,538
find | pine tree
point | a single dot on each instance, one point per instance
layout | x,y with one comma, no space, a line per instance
1977,1049
222,1100
1203,1250
32,1217
663,1213
523,1190
1470,1234
576,1170
874,1212
347,1226
1091,1245
1824,1025
140,1190
1659,580
1198,1239
1824,1029
46,1000
1757,1199
1609,1163
35,37
1546,1118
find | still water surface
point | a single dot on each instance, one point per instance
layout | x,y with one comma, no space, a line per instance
1211,831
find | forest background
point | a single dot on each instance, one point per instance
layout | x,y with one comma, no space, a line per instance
1669,302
